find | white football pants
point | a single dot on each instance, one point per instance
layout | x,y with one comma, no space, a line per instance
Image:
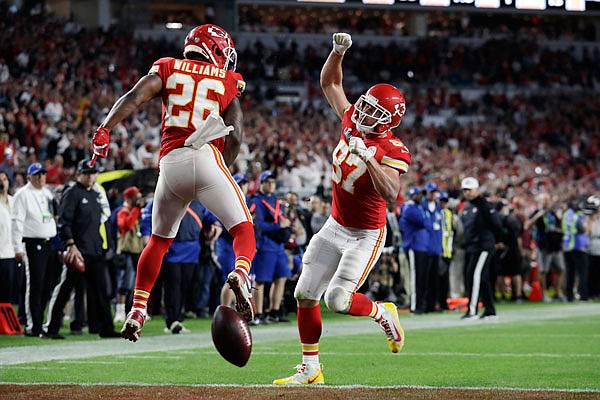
338,257
187,174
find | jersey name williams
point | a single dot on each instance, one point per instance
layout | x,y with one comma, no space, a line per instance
202,69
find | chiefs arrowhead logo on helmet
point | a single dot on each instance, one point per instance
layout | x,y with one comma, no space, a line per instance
214,43
380,109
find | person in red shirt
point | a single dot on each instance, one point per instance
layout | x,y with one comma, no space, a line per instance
201,136
367,164
129,245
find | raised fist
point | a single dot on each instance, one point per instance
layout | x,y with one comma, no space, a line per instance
341,42
100,143
358,147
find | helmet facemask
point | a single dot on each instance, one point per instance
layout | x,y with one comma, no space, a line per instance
367,106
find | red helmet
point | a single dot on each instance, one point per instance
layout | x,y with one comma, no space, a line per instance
383,104
214,43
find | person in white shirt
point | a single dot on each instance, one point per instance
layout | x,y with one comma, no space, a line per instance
8,266
34,227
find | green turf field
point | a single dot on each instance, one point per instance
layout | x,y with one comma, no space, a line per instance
532,346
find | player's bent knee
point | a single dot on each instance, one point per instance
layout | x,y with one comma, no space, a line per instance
337,300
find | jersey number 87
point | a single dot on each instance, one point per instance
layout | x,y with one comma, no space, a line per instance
342,155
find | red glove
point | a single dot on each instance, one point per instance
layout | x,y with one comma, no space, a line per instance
100,143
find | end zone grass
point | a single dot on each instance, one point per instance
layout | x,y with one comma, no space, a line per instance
543,351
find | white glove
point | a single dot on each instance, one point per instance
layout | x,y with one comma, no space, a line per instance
358,147
341,42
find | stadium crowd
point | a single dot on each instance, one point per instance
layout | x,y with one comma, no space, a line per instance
519,116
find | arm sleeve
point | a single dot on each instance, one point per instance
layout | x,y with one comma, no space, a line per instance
66,214
18,218
260,220
146,221
414,217
126,219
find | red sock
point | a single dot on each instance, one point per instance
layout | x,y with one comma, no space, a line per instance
310,324
310,328
362,306
148,268
244,244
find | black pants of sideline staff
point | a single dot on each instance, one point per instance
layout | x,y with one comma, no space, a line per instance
39,254
98,302
479,283
177,281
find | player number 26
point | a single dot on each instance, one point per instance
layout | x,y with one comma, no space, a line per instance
342,155
202,105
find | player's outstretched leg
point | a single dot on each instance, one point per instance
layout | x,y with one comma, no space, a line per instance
390,323
240,283
307,374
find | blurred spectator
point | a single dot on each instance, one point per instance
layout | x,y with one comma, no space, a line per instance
270,264
594,256
415,226
575,242
129,247
34,227
448,226
548,236
509,257
434,248
8,265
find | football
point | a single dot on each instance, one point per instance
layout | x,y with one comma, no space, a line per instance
231,335
77,264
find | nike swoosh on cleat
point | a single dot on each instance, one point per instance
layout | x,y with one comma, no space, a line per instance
311,380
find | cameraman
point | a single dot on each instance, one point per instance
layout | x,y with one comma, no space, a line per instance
548,236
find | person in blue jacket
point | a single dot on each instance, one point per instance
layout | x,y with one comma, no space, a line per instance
434,249
270,263
415,226
180,260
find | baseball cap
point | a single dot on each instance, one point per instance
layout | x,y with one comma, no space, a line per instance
83,167
469,183
414,190
131,191
431,186
266,175
443,196
35,168
240,178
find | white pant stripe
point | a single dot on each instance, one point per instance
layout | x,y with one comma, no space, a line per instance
477,282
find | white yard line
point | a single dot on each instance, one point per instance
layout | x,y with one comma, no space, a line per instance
313,387
350,326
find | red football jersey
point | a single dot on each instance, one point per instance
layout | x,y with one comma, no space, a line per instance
191,90
356,203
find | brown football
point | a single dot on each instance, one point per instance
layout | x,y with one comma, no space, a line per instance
77,264
231,335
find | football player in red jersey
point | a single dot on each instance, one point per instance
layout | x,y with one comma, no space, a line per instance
367,164
201,135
